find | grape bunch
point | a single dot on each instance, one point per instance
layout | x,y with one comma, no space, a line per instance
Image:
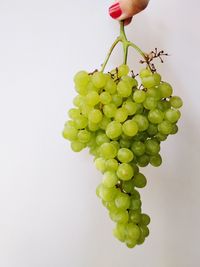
122,120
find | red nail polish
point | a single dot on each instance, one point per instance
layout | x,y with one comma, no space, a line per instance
115,11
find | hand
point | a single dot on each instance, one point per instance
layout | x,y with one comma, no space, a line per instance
126,9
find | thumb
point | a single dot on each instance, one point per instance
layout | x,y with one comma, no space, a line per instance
126,9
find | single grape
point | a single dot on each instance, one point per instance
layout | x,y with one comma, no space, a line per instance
95,116
156,160
123,70
125,172
100,164
155,116
165,89
110,179
77,146
138,148
139,180
125,155
142,122
84,136
165,127
117,100
122,201
130,128
139,96
99,79
108,151
109,110
92,98
121,114
124,89
176,102
114,129
172,115
131,107
111,165
105,98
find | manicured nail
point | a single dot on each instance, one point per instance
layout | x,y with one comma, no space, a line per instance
115,11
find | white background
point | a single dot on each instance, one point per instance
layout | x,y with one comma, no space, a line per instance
49,213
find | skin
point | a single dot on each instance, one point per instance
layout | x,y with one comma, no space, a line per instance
130,8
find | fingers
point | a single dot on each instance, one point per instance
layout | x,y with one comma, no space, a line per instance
126,9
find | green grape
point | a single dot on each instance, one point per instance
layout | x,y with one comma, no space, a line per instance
124,143
140,108
70,133
74,113
165,127
111,165
143,160
81,79
135,195
130,128
104,122
115,144
156,160
84,136
95,116
123,126
128,186
145,73
101,139
77,146
117,100
81,122
135,216
114,129
110,179
105,98
176,102
100,164
148,81
142,122
90,87
122,201
110,110
165,89
145,219
131,107
133,231
139,180
135,204
92,98
79,101
150,103
152,147
120,232
93,126
124,88
139,96
174,129
155,116
111,87
157,78
132,81
123,70
152,129
164,105
121,114
125,155
138,148
99,79
108,151
107,194
125,171
119,216
172,115
145,230
154,92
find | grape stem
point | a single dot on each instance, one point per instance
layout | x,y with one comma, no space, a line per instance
126,44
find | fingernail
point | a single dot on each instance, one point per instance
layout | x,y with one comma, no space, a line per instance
115,11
